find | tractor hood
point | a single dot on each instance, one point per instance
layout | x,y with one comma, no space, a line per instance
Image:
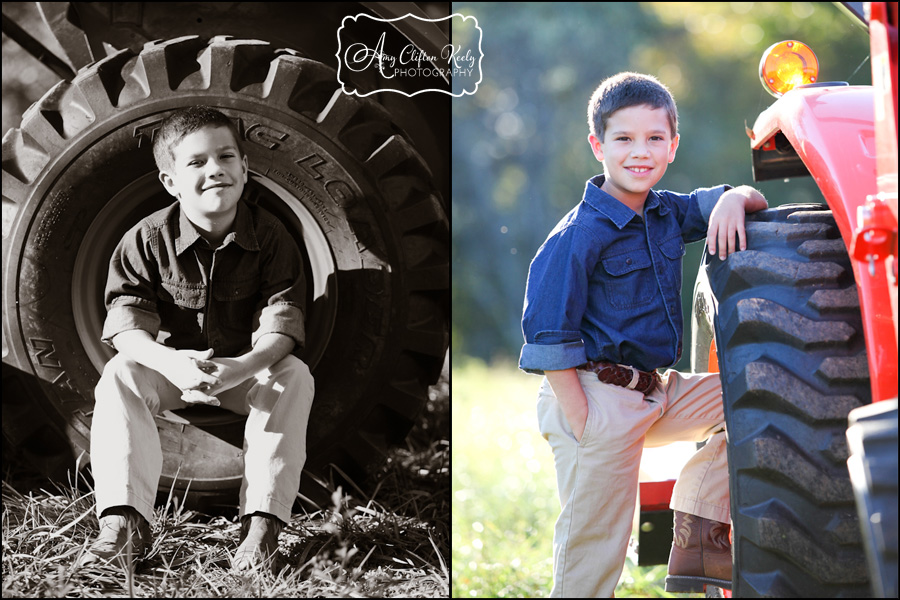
825,131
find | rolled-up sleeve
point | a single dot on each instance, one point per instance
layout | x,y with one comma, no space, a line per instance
555,301
692,210
130,288
707,199
283,288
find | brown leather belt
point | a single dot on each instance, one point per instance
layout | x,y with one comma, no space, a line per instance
623,376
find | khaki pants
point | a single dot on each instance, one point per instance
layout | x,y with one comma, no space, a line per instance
125,448
598,478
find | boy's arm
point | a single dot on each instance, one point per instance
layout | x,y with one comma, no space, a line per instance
556,295
184,368
727,219
282,306
268,350
556,298
131,299
572,399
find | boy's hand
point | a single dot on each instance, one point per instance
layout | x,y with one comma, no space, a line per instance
198,397
726,223
572,400
223,373
230,372
191,370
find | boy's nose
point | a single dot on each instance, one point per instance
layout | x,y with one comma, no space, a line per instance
639,150
213,168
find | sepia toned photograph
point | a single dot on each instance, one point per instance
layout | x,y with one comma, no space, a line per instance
226,303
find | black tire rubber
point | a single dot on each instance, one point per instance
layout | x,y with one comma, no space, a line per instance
872,437
335,169
792,359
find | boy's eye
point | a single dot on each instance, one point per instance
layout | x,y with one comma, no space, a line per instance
622,139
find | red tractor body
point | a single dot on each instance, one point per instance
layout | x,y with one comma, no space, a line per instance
846,138
803,329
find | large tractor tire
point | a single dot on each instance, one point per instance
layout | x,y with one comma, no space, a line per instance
784,316
336,170
872,436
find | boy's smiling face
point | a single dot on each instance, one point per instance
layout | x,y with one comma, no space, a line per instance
208,174
636,150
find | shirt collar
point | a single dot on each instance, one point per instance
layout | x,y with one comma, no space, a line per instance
617,212
242,231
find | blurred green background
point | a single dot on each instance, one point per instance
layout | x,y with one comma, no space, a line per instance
520,161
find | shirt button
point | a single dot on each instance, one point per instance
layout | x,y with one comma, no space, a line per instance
627,261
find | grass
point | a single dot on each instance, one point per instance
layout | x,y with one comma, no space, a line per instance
504,492
394,544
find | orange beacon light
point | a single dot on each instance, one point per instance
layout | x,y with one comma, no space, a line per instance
786,65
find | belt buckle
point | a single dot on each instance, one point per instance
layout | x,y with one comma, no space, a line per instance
635,377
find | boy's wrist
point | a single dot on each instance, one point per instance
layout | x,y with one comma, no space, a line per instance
269,349
749,197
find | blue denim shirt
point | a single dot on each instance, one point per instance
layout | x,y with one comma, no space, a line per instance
606,284
165,279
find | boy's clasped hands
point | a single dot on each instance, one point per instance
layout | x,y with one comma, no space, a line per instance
199,378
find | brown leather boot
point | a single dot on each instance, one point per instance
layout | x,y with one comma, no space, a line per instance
122,530
701,555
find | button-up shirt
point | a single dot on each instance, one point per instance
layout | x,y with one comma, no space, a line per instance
166,280
606,284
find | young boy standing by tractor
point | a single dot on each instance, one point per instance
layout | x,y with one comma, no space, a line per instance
602,313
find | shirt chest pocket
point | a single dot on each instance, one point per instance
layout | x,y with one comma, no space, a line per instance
182,295
628,278
673,250
233,291
235,302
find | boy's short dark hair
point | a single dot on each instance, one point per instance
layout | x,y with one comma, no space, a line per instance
184,122
624,90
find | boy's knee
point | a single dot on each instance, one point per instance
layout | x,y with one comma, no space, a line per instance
121,367
292,366
124,378
292,369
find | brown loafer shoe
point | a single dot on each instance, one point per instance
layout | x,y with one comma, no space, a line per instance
701,555
121,528
258,542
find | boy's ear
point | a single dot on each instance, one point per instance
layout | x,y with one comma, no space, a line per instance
673,148
596,147
168,183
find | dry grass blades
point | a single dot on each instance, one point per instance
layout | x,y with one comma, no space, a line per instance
392,544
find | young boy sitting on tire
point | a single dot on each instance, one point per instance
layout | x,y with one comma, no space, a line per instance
602,313
205,304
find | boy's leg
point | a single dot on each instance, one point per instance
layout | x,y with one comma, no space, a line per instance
692,411
701,550
277,402
597,482
126,457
